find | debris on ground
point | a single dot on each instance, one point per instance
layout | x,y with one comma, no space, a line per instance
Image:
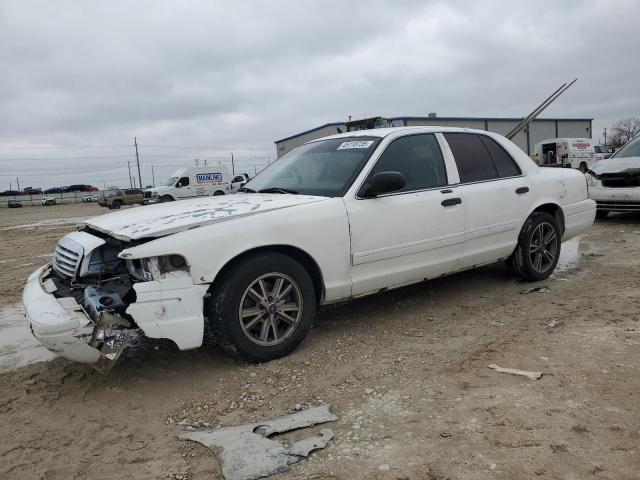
513,371
553,324
540,289
446,434
246,452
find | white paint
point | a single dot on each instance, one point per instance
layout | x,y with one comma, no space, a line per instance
359,245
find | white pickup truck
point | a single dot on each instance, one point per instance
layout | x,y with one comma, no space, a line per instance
336,218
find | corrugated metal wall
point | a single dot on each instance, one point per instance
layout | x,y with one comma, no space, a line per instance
539,130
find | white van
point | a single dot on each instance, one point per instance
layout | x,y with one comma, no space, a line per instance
192,182
567,152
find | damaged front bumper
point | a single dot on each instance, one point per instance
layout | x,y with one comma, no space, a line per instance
62,325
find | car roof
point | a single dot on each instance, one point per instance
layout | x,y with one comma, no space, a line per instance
383,132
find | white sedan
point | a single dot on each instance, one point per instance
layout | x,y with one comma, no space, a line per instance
337,218
614,183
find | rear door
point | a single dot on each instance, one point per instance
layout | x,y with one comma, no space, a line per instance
408,235
495,194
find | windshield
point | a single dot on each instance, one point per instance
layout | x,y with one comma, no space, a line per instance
326,167
631,149
171,182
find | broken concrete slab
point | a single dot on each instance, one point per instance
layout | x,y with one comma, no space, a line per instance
513,371
246,453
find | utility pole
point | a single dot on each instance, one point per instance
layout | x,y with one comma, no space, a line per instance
233,168
205,162
135,141
153,177
129,167
605,137
18,182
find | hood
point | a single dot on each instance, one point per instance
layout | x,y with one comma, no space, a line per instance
617,165
162,219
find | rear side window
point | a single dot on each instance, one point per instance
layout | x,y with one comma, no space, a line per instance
472,157
418,158
506,166
480,158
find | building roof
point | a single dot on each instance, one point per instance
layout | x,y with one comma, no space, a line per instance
477,119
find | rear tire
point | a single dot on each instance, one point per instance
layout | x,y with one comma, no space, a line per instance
538,249
217,193
602,214
262,308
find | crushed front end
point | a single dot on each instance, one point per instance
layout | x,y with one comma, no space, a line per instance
82,305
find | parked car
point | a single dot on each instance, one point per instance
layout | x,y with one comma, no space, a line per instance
334,219
127,196
602,150
614,183
192,182
91,198
31,191
49,191
239,181
48,201
13,203
10,193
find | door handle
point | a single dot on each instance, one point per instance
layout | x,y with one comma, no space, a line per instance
451,201
446,190
522,190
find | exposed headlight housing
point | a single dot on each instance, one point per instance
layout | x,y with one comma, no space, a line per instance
157,268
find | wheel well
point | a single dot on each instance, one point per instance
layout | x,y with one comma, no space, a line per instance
301,256
555,210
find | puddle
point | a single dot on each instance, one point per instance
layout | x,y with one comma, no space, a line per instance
51,222
572,252
17,345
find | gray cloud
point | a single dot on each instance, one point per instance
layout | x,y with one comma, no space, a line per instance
216,74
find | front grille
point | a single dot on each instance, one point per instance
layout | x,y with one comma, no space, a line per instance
617,205
621,182
147,194
67,257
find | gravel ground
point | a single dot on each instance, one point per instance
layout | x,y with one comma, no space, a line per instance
405,372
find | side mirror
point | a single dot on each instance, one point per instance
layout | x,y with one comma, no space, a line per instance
383,182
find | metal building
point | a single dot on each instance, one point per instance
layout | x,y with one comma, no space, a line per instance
540,129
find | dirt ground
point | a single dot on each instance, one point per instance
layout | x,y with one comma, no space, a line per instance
405,372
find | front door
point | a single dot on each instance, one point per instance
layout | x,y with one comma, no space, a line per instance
408,235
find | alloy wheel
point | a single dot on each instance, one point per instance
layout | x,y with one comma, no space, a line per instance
543,248
270,309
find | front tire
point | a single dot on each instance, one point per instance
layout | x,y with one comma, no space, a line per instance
263,307
583,167
166,198
538,249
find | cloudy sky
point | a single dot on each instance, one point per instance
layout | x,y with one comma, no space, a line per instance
195,79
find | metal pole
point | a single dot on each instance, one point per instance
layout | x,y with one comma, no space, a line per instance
153,177
605,137
129,167
135,141
233,168
18,182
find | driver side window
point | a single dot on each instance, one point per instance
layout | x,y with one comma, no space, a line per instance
183,182
418,158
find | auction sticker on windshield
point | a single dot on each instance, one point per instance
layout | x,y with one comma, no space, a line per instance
355,144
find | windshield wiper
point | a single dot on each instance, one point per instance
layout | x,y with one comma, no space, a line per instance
277,190
246,190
